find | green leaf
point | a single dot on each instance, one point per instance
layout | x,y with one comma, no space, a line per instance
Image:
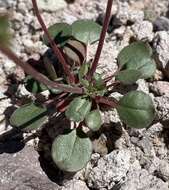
99,82
136,109
137,56
71,151
83,70
29,116
4,31
34,86
60,33
93,120
134,51
78,109
148,70
128,76
86,31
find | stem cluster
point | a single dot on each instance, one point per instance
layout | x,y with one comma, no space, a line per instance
59,54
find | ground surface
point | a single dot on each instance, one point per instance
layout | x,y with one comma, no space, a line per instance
132,159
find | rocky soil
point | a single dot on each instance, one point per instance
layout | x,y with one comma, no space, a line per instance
123,158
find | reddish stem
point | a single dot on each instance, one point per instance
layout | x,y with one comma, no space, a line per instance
38,76
109,101
102,38
55,100
107,79
115,83
52,43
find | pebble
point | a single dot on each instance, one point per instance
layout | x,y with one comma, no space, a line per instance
161,46
143,31
110,170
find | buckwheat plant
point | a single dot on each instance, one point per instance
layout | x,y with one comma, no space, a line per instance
76,89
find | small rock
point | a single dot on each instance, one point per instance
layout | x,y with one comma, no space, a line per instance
125,13
161,46
160,88
51,5
23,92
164,170
146,146
138,178
75,185
99,145
143,30
110,170
161,23
7,3
22,170
142,86
162,107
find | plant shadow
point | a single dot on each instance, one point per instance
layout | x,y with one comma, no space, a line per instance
58,125
11,141
165,132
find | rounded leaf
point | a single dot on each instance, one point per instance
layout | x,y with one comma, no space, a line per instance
86,31
134,51
137,56
29,116
71,151
59,32
136,109
128,76
78,109
148,70
93,120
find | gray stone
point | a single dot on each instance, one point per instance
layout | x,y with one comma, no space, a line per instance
143,30
160,88
162,107
22,171
126,13
138,179
74,185
110,170
7,3
51,5
161,46
164,170
142,86
146,146
161,23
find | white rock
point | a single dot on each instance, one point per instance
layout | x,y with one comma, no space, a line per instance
75,185
138,178
142,86
7,3
160,88
161,45
143,30
162,107
110,169
51,5
126,13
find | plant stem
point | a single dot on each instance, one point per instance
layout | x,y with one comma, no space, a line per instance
109,101
115,83
107,79
53,45
38,76
102,38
